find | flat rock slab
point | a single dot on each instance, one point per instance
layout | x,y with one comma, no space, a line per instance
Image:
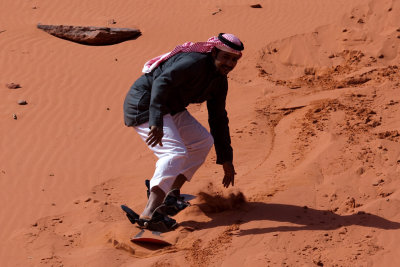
90,35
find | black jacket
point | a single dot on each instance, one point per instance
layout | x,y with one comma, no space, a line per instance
181,80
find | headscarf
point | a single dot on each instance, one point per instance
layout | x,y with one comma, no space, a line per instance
225,41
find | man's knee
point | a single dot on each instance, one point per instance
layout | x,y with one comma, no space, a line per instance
208,142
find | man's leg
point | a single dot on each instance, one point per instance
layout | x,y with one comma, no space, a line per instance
171,158
179,181
156,198
198,142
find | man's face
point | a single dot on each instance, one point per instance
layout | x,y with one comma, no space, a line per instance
224,61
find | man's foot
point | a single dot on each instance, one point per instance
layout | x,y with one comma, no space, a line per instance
173,203
158,222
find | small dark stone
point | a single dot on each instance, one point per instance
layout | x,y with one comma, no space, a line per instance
390,9
112,21
13,85
256,6
274,50
22,102
381,56
344,30
15,116
361,21
216,12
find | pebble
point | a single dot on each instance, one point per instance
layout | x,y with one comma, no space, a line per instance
112,21
216,12
22,102
256,6
15,116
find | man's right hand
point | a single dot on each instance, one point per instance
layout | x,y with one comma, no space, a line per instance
155,135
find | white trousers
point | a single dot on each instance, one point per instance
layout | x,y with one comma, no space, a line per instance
186,144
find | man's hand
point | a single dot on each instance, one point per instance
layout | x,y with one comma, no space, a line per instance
229,177
155,135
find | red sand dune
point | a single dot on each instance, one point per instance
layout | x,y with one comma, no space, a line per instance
314,106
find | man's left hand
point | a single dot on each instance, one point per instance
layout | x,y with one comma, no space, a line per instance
229,177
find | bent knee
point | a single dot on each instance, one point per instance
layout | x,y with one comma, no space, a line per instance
209,141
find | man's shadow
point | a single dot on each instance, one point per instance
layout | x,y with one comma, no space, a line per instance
306,218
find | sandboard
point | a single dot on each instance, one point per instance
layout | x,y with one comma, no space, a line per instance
144,236
147,236
150,237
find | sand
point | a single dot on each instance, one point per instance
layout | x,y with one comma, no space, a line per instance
314,107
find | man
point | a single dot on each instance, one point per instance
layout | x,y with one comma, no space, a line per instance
156,107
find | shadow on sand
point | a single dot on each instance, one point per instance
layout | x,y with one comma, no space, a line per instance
306,218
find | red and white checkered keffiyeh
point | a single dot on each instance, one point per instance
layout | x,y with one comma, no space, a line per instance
201,47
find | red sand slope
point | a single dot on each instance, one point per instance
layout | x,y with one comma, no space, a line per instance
315,123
